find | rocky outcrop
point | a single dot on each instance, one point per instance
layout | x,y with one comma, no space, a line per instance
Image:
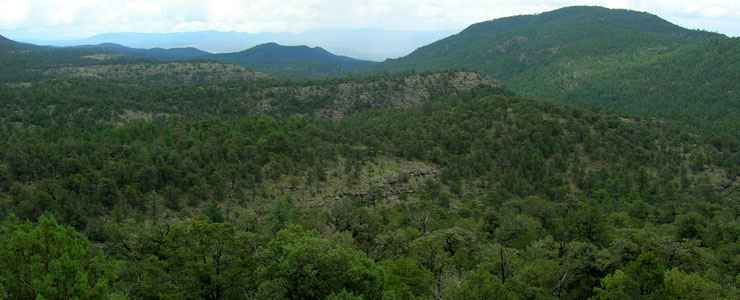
335,101
380,180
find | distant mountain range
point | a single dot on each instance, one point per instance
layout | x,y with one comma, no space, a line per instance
368,44
22,61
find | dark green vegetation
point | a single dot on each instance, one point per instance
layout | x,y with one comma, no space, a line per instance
157,73
124,176
623,61
695,84
293,61
418,186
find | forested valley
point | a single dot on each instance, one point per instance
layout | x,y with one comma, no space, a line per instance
127,177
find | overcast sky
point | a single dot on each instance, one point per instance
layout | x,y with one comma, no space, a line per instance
79,18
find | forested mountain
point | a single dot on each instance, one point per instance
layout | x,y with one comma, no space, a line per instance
416,186
620,60
292,61
507,47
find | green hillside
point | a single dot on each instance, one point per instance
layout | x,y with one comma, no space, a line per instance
621,60
695,83
509,46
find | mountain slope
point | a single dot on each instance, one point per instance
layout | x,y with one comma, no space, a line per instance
296,61
621,60
695,84
4,42
508,46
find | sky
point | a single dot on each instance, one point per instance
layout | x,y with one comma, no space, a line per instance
69,19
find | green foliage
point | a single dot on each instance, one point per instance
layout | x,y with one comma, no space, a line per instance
214,213
51,261
617,286
406,279
673,284
480,285
301,265
647,271
680,285
189,260
344,295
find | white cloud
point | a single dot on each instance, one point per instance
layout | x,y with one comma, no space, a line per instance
84,17
13,13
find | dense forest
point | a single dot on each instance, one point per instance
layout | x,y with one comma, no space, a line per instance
472,193
155,174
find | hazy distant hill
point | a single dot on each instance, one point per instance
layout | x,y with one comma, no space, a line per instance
35,62
154,53
370,44
295,61
25,63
